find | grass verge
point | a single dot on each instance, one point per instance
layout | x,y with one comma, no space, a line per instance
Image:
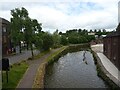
14,75
55,54
39,55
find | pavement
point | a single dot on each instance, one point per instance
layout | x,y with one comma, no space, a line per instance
113,72
29,76
21,56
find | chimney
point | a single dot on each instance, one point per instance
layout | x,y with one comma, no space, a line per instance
118,12
118,28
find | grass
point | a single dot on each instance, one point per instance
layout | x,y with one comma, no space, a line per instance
17,71
14,75
55,55
39,55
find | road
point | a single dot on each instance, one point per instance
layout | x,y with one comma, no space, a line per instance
21,56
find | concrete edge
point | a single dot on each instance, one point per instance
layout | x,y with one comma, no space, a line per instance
39,77
111,77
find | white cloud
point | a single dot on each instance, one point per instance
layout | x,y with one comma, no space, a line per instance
64,15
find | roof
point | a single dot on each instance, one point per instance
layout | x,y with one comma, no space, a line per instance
2,20
114,34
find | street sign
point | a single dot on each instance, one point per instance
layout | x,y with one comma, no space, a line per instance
5,66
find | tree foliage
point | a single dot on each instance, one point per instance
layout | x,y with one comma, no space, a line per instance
17,25
64,40
56,39
47,41
28,30
23,28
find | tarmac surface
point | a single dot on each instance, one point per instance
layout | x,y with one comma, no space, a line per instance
21,56
29,76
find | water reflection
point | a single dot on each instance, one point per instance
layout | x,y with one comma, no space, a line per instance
71,71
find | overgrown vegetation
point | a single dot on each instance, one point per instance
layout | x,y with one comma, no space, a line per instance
16,72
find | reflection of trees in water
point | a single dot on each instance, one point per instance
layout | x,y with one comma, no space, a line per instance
84,57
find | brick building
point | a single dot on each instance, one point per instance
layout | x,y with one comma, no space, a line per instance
6,41
112,47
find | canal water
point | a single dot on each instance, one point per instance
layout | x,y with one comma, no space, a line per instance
74,70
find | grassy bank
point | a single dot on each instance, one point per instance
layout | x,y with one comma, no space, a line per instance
101,73
56,55
16,72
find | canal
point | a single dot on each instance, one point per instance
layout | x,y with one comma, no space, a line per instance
73,70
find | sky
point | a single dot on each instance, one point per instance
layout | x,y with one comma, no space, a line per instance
67,14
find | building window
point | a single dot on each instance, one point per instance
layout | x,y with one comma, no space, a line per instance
4,39
4,29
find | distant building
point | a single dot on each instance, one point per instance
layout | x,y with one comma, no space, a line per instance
91,33
6,41
112,47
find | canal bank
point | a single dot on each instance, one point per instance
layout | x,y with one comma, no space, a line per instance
106,69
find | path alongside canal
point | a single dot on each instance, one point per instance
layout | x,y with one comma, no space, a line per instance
28,78
111,71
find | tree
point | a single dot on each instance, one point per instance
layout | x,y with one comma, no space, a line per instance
23,28
56,39
99,33
95,31
60,33
17,21
47,41
29,33
91,31
39,41
31,27
64,40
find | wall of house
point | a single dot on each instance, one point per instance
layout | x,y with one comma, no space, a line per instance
112,49
0,38
6,41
